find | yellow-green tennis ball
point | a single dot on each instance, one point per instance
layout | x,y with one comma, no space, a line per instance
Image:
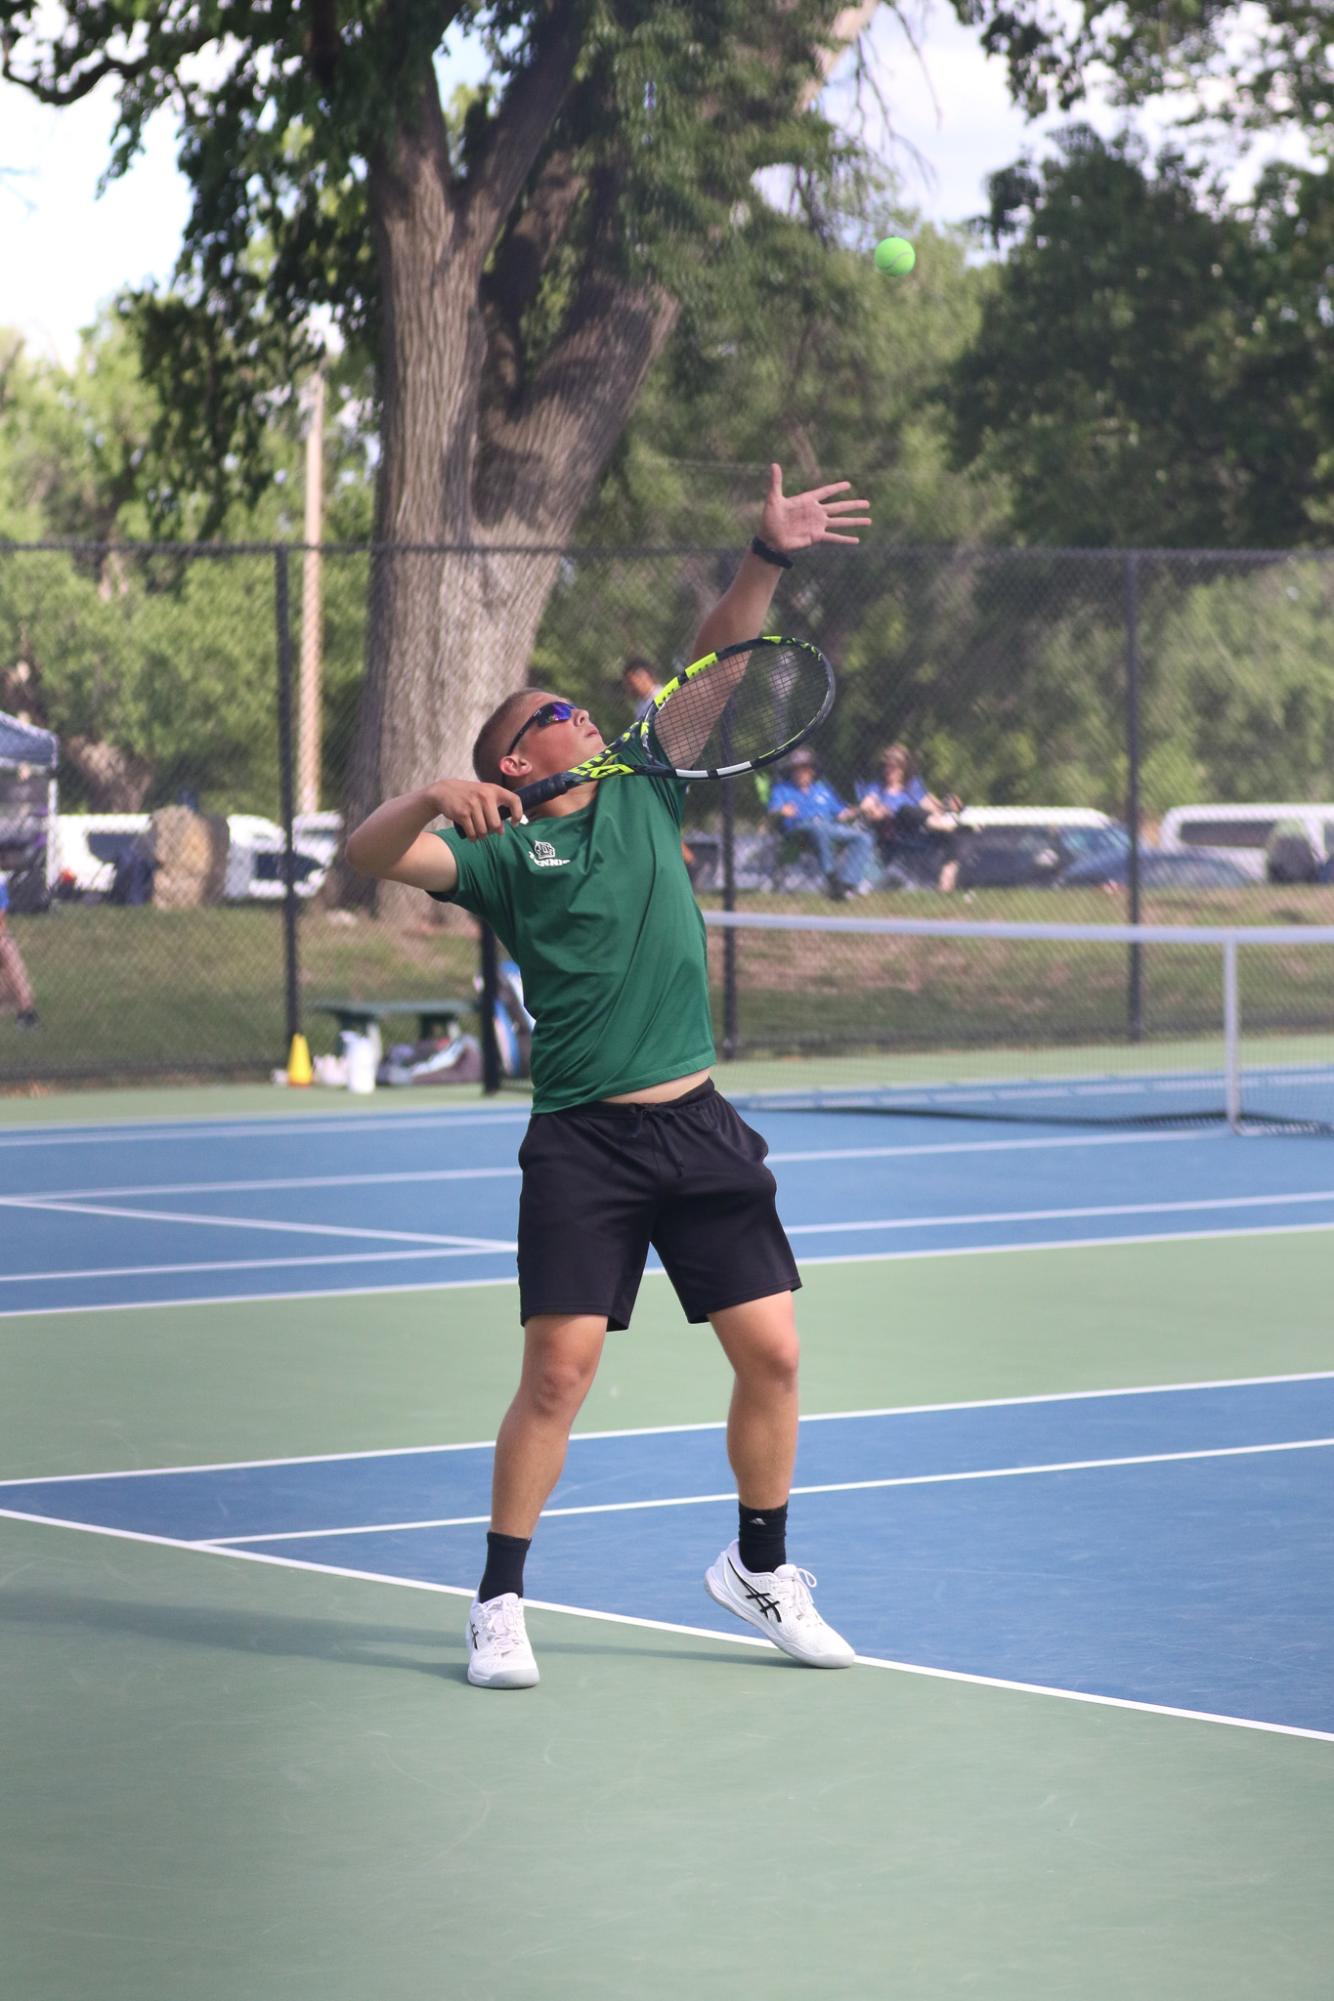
895,255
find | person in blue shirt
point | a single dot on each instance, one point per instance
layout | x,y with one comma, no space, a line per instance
915,828
804,803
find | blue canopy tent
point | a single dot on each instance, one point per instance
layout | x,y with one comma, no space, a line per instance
28,759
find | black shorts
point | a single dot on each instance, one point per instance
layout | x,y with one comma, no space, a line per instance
602,1182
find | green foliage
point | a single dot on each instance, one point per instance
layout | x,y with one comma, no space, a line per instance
1248,64
1240,684
296,127
1152,368
162,666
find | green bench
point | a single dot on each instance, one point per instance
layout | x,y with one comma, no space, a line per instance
433,1016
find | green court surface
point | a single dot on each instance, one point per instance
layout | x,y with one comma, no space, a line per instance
241,1781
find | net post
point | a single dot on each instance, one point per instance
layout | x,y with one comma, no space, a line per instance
489,987
1134,913
1231,1034
287,782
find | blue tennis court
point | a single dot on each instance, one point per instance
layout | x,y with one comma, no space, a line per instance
163,1214
1064,1480
1128,1547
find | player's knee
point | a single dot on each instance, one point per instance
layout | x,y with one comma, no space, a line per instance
558,1384
771,1362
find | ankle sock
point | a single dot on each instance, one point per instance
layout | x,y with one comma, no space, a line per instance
763,1537
504,1565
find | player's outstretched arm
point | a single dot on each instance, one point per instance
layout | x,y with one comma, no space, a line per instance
788,524
394,845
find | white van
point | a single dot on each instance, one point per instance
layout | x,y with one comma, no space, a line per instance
254,869
87,847
1243,833
1015,847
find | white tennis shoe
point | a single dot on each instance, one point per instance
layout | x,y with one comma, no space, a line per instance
778,1603
499,1655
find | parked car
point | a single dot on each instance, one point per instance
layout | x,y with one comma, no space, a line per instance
255,861
1013,847
89,847
319,834
1248,835
1156,871
94,852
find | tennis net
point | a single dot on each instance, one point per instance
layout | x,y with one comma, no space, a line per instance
1079,1024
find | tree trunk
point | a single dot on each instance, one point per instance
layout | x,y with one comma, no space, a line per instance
456,596
484,470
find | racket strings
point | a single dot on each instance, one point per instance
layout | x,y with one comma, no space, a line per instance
704,726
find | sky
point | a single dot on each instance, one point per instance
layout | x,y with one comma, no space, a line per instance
64,250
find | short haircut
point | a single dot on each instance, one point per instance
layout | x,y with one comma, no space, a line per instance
637,664
494,735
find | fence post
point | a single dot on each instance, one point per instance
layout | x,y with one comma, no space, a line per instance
287,784
1135,969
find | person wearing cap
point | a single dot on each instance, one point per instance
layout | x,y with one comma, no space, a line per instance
914,827
639,678
802,802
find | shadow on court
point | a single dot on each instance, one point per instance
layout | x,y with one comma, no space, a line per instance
337,1641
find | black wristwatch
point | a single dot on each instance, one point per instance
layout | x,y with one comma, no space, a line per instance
768,555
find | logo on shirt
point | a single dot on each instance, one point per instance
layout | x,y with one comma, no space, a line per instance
545,855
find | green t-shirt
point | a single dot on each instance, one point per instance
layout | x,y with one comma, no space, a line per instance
597,909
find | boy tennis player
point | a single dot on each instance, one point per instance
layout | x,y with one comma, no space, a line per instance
629,1143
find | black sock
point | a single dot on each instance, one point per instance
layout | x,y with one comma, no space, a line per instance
504,1565
763,1537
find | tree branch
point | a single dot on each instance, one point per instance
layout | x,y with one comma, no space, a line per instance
542,460
509,288
160,60
526,114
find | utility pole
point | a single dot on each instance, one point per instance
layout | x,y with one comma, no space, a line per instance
312,611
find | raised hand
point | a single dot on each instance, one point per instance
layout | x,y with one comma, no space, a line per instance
799,521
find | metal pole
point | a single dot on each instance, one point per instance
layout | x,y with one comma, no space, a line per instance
1135,969
731,1025
282,612
312,615
1231,1034
490,986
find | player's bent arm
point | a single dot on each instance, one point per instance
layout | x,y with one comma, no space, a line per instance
393,844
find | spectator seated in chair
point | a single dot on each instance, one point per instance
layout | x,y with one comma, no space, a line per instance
803,803
915,829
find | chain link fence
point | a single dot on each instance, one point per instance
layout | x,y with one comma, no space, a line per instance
178,905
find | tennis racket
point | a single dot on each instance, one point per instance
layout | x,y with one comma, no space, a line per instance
733,711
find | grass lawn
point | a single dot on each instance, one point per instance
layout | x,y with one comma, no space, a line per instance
133,993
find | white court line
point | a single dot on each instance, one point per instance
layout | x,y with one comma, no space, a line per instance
817,1154
1208,1202
498,1245
824,1487
710,1424
278,1181
65,1208
692,1632
455,1284
323,1261
317,1125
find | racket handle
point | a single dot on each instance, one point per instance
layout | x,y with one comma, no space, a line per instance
543,789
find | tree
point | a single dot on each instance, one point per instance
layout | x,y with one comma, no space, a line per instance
1251,64
156,671
1152,365
515,272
